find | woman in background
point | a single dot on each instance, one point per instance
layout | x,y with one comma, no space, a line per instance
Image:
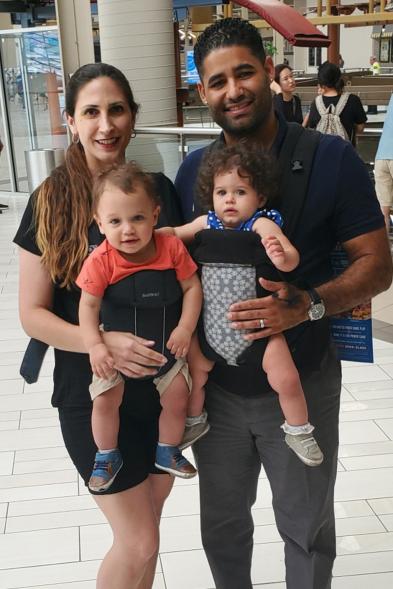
284,99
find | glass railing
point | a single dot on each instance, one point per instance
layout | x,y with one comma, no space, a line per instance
162,149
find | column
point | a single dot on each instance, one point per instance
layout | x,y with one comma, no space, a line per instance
75,33
137,37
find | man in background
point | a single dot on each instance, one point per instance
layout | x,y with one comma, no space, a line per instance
383,169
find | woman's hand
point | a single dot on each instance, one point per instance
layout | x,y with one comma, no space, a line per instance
286,307
275,87
133,355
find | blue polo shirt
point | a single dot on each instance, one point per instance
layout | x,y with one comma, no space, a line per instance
340,205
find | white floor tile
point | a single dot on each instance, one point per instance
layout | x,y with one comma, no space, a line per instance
382,581
361,564
344,509
44,465
191,565
346,450
359,525
387,521
41,547
6,462
353,374
368,462
386,426
180,533
56,520
360,432
39,576
382,506
363,484
359,544
59,504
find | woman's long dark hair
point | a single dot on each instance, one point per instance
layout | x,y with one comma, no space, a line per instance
62,206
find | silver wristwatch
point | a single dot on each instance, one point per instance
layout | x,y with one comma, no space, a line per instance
317,309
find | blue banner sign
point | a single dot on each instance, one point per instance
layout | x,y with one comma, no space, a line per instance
351,330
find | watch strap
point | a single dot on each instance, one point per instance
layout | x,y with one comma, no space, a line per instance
314,296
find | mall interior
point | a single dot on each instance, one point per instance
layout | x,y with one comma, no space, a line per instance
52,536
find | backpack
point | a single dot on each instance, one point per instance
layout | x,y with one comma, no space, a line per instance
330,122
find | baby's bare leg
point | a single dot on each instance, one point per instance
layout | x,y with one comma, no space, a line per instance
284,378
199,369
105,417
174,410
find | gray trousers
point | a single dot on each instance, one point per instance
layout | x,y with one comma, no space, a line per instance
245,432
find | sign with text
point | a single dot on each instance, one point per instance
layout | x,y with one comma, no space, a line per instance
351,330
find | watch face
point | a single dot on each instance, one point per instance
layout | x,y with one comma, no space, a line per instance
316,311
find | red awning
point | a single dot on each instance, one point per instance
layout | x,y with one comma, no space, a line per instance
289,23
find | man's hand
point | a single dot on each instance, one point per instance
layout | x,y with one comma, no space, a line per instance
286,307
101,361
179,342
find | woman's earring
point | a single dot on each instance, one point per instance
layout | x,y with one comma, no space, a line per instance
133,134
75,138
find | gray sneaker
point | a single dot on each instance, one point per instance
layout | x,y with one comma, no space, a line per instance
194,431
306,448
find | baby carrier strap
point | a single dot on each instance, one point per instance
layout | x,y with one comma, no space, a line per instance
295,165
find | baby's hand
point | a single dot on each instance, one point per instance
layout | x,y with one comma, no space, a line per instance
179,341
274,249
101,361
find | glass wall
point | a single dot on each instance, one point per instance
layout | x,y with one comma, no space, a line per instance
33,98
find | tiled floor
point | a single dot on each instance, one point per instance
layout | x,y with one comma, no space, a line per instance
53,537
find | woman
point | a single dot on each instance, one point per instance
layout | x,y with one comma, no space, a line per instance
55,236
284,99
330,87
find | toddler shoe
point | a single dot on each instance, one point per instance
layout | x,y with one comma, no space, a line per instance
196,427
170,459
106,467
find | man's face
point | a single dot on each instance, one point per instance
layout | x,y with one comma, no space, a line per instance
236,86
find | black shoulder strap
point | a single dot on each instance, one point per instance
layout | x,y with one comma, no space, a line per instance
295,165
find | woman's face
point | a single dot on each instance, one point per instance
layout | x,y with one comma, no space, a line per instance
103,121
287,81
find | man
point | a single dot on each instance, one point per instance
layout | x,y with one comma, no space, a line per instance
375,66
243,412
383,169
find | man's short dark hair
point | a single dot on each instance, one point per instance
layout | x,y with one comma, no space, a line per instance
225,33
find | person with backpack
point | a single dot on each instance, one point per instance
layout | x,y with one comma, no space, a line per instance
325,196
333,111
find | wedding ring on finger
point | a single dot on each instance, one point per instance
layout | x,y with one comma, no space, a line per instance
261,324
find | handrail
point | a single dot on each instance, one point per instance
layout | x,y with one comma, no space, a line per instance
182,131
197,131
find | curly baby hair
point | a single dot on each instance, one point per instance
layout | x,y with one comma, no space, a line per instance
251,162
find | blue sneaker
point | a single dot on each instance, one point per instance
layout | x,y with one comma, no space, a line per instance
170,459
106,467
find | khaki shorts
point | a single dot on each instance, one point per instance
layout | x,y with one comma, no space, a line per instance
100,385
383,172
179,367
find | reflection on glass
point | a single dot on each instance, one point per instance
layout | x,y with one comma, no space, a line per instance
34,95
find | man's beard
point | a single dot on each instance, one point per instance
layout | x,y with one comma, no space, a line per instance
250,127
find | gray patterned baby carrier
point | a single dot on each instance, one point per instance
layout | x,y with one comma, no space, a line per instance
232,261
230,264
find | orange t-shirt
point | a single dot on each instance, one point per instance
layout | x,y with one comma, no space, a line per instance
105,265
